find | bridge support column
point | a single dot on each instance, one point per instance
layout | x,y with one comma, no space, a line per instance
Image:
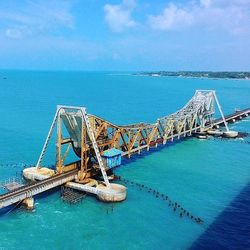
164,139
59,144
219,107
29,203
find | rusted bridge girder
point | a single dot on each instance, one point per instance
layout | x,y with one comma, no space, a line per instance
90,135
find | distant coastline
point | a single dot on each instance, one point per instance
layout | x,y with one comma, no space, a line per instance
199,74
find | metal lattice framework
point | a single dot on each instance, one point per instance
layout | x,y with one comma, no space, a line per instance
90,135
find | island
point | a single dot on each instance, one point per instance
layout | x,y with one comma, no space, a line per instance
199,74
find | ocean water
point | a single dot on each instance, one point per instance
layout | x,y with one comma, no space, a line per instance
209,178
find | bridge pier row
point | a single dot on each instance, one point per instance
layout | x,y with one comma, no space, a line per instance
232,121
196,111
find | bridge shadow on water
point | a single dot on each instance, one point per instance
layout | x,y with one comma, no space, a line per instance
231,229
134,157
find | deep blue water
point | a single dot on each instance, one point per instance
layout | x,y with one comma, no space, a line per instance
205,177
231,230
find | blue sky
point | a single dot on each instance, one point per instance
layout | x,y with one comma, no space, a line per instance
125,34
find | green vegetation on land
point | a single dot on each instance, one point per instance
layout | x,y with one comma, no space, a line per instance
200,74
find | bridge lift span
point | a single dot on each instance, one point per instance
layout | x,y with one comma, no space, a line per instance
91,137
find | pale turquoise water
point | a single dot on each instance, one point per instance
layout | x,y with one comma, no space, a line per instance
203,176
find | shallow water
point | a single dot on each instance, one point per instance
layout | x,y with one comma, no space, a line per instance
203,176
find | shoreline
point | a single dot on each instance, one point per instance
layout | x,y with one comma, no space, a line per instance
193,77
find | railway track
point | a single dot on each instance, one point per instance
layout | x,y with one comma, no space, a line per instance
91,135
36,188
236,115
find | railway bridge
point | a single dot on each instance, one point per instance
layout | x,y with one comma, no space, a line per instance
90,137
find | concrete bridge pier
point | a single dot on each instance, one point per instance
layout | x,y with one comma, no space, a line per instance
29,203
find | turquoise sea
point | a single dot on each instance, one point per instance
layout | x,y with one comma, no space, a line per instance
204,176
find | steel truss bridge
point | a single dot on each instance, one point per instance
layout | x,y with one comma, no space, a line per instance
89,135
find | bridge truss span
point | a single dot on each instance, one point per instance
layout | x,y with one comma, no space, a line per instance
90,135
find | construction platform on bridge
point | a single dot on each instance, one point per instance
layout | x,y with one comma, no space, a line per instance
99,145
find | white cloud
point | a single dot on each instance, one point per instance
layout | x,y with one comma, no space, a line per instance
17,32
205,3
37,17
52,14
233,16
172,18
13,33
118,17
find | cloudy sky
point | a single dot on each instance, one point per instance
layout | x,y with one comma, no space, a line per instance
125,34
